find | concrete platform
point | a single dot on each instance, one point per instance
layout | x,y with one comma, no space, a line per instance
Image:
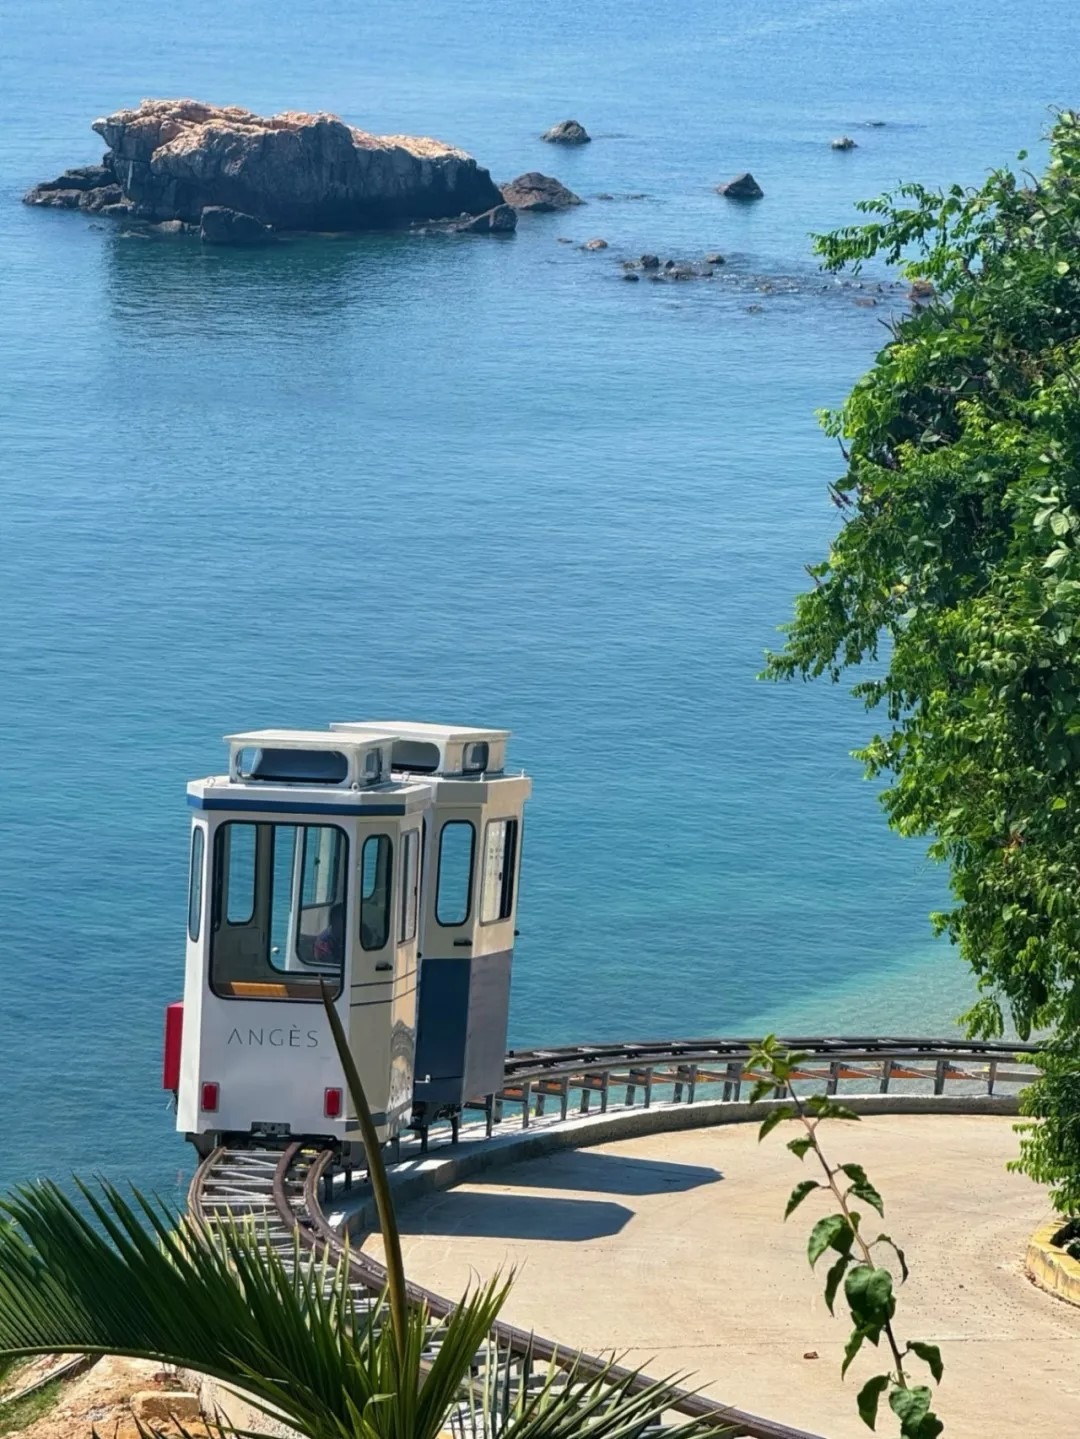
671,1248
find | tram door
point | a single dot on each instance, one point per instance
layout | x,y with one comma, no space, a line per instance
384,936
469,905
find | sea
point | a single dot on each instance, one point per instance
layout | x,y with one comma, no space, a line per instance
465,479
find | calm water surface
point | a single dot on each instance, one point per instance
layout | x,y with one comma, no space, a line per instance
462,479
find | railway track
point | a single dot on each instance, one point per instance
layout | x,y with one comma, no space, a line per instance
281,1187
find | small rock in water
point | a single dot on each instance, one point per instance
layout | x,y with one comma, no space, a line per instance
629,275
650,262
604,196
565,240
567,132
866,301
715,259
874,124
922,290
595,245
221,226
843,142
501,220
753,309
669,265
742,187
538,193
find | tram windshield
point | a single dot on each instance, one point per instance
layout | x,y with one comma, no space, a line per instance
278,910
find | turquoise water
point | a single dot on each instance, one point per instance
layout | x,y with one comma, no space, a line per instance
468,479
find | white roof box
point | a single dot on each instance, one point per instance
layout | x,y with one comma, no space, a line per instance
309,757
445,750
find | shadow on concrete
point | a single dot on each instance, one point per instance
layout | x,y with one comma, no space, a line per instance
605,1174
516,1216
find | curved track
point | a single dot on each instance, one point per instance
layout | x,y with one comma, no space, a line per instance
282,1186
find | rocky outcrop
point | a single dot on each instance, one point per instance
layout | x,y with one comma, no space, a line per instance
535,192
567,132
843,142
500,220
596,244
221,226
742,187
171,159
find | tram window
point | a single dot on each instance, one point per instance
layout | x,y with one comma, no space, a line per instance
282,930
376,868
194,911
240,889
500,864
453,895
410,885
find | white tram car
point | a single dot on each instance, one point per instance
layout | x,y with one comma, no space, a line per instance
381,859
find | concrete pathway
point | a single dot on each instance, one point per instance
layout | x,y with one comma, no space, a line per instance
671,1248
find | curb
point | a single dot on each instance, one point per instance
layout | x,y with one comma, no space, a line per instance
1050,1267
414,1178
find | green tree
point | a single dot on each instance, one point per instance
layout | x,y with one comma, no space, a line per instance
956,575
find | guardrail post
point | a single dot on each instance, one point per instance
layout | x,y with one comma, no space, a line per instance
939,1076
489,1114
648,1087
604,1088
586,1094
886,1075
526,1103
834,1077
564,1097
992,1076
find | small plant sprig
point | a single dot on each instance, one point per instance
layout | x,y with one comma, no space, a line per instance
868,1286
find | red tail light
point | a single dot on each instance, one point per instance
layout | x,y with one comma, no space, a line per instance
332,1103
174,1028
209,1102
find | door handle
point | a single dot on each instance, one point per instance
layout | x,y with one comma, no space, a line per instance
463,944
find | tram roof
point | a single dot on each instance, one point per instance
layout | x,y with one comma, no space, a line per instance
307,738
416,729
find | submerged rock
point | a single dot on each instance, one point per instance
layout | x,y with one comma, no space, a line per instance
595,245
742,187
843,142
171,159
715,258
567,132
922,290
538,193
221,226
650,262
499,220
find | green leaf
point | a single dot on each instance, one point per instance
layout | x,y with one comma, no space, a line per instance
930,1354
833,1278
1059,523
1055,558
868,1398
801,1147
861,1186
778,1115
825,1108
833,1232
851,1348
884,1239
1062,267
799,1193
869,1293
910,1405
1058,802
